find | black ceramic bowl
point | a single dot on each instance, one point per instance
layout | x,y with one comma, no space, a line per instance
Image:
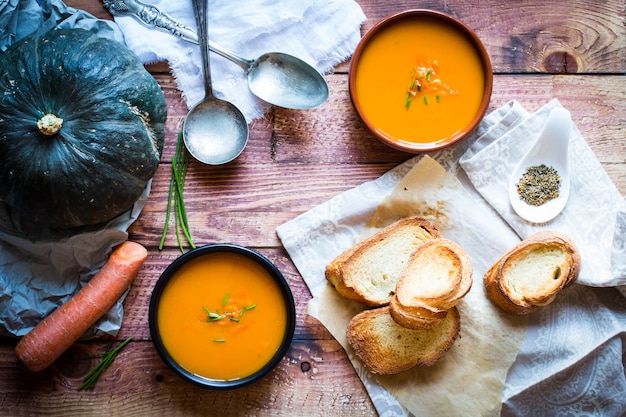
197,255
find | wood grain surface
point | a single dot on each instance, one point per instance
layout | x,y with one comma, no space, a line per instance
296,160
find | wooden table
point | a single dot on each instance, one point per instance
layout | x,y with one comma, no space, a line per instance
295,160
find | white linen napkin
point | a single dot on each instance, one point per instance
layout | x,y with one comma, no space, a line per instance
595,214
570,357
322,33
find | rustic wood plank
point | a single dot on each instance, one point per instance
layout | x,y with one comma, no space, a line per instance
333,133
570,37
251,219
526,36
313,378
596,103
244,203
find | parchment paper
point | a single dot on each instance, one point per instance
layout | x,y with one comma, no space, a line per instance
489,339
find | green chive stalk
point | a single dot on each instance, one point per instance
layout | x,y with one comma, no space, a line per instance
90,379
175,199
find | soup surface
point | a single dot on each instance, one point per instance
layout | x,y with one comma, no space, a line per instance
222,316
445,64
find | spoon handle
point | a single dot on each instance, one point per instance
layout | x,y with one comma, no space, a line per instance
201,10
150,15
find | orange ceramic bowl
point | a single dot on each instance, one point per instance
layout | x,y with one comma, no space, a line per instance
420,80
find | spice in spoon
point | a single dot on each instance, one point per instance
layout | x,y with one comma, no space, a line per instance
539,184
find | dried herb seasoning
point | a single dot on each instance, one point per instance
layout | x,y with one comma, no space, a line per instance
539,184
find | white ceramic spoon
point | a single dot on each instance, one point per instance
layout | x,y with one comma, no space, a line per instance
550,149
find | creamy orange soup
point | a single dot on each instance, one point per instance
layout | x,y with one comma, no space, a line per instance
222,316
388,67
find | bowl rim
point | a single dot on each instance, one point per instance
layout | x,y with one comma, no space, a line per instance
200,252
476,43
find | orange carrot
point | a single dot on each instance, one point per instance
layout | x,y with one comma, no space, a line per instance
64,326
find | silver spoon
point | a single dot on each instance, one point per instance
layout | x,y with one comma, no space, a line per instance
277,78
550,149
215,131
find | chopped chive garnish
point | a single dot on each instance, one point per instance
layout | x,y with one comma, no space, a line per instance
219,340
213,316
425,81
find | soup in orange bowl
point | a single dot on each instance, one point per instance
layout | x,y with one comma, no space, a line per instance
420,80
222,316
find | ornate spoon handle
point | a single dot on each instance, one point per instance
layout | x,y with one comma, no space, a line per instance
149,15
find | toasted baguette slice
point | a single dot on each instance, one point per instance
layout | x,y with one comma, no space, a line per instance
438,275
388,348
368,272
422,317
533,272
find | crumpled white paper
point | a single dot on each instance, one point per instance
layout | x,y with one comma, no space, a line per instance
322,33
20,18
39,274
572,357
36,277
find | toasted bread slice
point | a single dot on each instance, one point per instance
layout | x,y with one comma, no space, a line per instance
438,275
532,273
423,317
388,348
368,272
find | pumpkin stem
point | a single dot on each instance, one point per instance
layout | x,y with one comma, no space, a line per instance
49,124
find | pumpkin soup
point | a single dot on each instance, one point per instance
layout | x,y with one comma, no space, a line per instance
419,80
222,316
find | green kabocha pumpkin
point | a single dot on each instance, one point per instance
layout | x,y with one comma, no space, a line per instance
81,129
